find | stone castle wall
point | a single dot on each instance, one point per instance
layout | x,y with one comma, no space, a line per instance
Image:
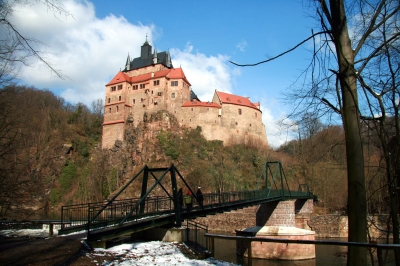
128,105
111,133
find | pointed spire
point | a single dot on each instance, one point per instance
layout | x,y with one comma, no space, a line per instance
128,63
155,60
168,61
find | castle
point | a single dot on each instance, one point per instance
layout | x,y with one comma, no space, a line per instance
150,83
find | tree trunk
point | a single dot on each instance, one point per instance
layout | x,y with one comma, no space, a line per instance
357,207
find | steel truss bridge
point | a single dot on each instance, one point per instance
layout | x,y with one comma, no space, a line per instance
117,217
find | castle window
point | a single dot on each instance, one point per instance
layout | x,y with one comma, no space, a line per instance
119,98
239,111
236,123
156,82
109,110
133,101
119,87
250,125
256,115
141,100
174,83
113,88
192,109
109,100
173,95
134,87
142,86
116,109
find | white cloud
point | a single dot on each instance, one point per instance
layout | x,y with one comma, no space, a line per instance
241,46
89,50
279,128
206,74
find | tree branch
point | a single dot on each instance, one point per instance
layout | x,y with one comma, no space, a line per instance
287,51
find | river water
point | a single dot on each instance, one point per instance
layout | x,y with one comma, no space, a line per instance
326,255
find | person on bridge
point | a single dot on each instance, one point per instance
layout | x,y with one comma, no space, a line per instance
188,201
180,197
199,196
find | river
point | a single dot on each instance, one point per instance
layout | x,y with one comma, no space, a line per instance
325,255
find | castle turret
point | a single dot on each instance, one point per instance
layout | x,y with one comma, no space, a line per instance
155,56
146,50
168,60
128,63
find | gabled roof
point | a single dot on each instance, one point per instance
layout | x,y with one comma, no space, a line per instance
227,98
175,73
120,77
196,103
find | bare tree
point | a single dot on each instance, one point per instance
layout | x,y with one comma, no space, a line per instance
15,48
343,63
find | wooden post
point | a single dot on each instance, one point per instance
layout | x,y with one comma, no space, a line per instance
379,252
212,246
51,229
249,254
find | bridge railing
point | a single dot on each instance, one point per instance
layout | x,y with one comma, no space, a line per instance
237,196
101,214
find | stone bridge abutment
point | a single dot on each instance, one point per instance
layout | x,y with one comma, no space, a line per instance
290,213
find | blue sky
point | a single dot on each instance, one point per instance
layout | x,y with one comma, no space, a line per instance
91,46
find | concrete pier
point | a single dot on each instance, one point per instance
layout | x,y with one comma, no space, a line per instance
277,251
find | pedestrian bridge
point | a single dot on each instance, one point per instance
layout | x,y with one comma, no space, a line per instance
117,217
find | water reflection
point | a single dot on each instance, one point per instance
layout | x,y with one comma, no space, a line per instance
325,255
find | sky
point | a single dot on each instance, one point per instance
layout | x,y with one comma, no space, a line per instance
91,45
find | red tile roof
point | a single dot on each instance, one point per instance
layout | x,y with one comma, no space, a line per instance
174,73
226,98
196,103
120,77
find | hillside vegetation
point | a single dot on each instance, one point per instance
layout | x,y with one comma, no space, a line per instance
50,156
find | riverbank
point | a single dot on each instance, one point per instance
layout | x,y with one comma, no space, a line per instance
18,248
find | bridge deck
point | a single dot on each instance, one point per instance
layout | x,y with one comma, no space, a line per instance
160,211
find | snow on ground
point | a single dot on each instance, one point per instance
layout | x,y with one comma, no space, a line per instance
141,253
26,232
151,253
